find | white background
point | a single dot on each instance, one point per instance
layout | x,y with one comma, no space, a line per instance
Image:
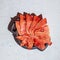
9,49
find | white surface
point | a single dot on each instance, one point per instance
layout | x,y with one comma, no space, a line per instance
9,49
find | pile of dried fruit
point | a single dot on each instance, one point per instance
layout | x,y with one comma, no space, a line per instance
32,30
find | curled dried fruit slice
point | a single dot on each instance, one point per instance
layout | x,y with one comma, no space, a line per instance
22,24
28,22
36,19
